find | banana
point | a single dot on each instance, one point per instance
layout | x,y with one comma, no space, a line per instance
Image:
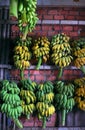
41,50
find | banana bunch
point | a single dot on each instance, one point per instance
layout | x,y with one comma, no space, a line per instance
79,53
64,100
80,93
61,51
27,14
21,56
11,101
28,109
41,50
79,81
44,109
45,92
27,84
26,42
27,95
44,105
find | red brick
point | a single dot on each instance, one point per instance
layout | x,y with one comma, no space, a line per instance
82,13
40,33
27,122
47,17
64,12
41,11
80,17
73,13
55,72
14,72
76,28
51,33
54,11
51,77
69,17
67,8
47,72
46,27
26,71
40,78
67,72
57,27
32,77
67,28
38,27
82,33
58,17
34,72
71,34
14,28
51,122
40,17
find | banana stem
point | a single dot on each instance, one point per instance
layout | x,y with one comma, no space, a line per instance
28,116
25,33
44,123
13,8
82,69
60,73
22,74
18,123
39,63
63,117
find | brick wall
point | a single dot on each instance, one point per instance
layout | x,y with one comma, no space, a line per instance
52,20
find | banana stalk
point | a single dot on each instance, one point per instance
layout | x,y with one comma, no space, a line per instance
25,33
28,116
82,68
18,123
14,8
60,73
63,117
39,63
44,123
22,74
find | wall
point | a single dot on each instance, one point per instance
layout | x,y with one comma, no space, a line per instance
53,20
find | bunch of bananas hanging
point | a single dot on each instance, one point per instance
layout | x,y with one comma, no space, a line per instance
27,15
80,93
63,99
22,55
11,101
44,106
61,50
41,50
25,12
79,53
27,95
